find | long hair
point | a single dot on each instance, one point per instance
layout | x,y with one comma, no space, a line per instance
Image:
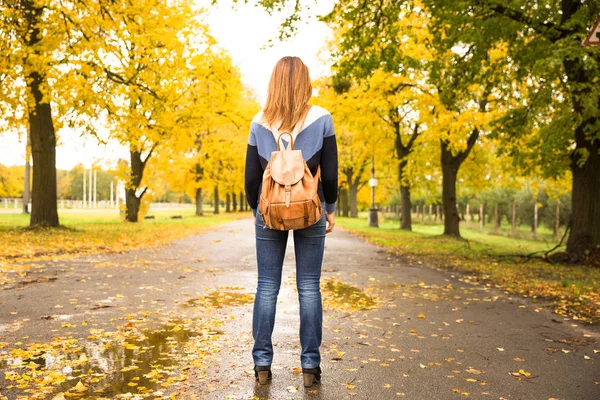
289,91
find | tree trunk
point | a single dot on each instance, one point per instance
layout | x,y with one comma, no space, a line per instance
496,219
216,200
535,219
513,222
44,209
198,178
132,201
481,216
557,219
242,202
227,203
405,206
234,201
344,206
199,203
584,239
449,172
450,166
27,183
353,199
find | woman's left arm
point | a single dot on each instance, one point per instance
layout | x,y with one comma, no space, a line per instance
253,171
329,166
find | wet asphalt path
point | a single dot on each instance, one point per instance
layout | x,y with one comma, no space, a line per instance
433,334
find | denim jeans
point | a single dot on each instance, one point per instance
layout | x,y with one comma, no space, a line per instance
309,244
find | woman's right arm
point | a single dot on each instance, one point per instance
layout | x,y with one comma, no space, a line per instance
329,172
253,171
329,166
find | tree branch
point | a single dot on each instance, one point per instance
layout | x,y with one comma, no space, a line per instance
548,30
460,157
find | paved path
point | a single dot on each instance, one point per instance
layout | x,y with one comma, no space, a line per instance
432,335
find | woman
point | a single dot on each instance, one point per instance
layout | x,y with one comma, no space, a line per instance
287,110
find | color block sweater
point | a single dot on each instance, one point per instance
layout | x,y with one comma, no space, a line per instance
316,139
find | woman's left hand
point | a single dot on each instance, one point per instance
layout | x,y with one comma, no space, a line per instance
330,222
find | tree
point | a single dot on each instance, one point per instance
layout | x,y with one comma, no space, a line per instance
31,36
228,110
403,104
361,134
219,109
561,94
405,49
132,60
355,134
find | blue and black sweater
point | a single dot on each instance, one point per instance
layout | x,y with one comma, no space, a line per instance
316,139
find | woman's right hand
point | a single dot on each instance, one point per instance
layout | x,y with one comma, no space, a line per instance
330,222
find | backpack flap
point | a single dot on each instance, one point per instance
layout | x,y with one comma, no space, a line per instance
287,167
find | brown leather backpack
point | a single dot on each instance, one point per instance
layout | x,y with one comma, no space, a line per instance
289,198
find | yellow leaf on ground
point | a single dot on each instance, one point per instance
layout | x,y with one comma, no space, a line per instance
80,387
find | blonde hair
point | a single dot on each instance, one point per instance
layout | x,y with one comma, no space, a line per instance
289,91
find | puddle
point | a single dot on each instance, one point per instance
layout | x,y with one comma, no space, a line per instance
340,295
112,365
220,299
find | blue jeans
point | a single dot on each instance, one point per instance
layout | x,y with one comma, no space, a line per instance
309,244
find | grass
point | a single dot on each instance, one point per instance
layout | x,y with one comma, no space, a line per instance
86,232
572,290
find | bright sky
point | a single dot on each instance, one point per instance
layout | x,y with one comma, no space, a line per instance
242,32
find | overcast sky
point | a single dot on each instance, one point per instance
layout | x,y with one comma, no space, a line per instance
242,32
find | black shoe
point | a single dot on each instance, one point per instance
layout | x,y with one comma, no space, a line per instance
311,375
262,373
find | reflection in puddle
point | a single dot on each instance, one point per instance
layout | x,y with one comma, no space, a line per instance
344,297
218,299
130,362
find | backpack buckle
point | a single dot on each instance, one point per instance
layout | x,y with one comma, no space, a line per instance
288,194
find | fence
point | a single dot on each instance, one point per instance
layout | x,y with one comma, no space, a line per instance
8,203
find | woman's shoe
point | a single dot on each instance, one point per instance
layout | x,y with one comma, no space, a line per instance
311,375
263,374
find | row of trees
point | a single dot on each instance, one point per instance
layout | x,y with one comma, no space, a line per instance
528,206
70,187
452,98
147,75
469,95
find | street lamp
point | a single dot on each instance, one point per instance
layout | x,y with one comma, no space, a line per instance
373,183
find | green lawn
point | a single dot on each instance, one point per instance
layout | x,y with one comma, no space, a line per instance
85,232
483,241
75,217
569,289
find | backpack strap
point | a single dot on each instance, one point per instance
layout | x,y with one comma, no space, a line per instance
291,146
296,127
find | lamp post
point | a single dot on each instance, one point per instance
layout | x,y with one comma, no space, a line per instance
373,183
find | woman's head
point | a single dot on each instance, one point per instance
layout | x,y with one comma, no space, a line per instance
289,92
